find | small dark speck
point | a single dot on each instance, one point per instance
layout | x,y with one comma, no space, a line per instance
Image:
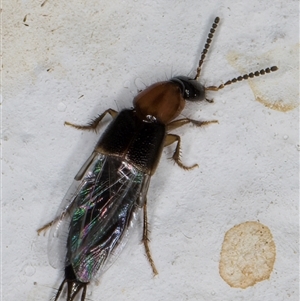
44,3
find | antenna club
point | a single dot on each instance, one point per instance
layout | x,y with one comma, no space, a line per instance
217,20
274,68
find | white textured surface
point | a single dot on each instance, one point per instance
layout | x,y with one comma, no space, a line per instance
105,52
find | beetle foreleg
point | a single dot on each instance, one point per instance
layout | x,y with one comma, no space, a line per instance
146,240
171,138
94,123
180,122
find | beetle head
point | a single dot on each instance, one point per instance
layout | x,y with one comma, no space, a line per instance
190,88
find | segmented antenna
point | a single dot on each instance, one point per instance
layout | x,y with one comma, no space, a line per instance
240,78
206,46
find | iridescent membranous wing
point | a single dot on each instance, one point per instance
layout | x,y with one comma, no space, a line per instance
100,211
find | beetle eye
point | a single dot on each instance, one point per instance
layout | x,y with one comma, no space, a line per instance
190,88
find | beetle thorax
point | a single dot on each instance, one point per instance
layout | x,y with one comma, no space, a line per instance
162,100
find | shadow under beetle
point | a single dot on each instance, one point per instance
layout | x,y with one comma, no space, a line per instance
110,189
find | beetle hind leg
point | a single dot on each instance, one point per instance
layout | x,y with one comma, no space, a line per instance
146,240
45,227
50,224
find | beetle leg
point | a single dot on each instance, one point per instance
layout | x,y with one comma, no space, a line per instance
146,240
49,225
180,122
94,123
171,138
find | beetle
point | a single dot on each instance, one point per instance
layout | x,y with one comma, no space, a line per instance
110,189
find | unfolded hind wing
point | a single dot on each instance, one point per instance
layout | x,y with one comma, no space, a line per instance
102,211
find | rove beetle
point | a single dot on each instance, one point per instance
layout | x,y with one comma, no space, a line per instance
111,187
